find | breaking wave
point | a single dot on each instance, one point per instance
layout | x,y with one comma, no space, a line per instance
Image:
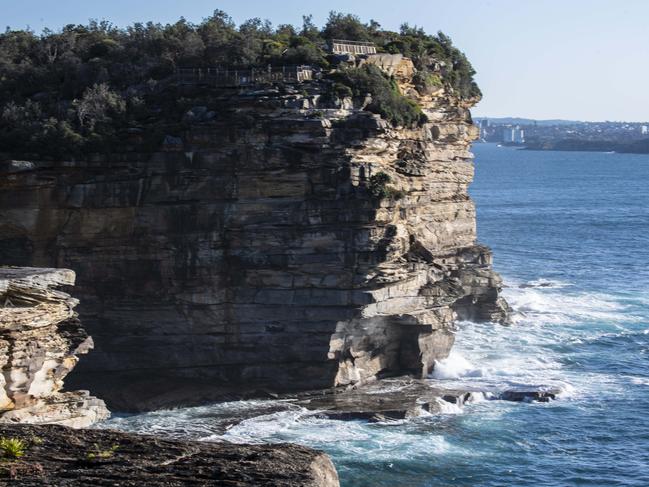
552,322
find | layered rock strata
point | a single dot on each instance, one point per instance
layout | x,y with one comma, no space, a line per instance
40,339
55,455
259,252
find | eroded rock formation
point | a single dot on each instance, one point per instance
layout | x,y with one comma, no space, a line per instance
259,252
40,338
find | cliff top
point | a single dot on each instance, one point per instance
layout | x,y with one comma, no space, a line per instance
84,88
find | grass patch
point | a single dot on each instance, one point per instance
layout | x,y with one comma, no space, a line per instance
13,448
98,453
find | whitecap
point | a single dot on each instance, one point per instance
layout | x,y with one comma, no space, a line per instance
640,381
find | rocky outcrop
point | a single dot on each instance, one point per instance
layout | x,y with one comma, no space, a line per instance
40,338
55,455
404,397
288,241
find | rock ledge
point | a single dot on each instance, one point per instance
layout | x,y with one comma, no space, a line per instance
61,456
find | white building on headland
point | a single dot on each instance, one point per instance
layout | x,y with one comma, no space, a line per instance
644,130
513,135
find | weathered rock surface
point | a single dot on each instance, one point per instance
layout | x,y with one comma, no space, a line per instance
40,338
401,398
59,456
255,257
386,399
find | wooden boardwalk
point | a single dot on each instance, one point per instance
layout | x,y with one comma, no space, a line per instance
216,76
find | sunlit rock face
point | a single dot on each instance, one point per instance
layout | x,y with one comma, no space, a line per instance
257,256
40,338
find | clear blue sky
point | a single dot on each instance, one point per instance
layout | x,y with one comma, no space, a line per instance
571,59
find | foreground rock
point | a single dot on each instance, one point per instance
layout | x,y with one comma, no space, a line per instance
40,338
61,456
290,242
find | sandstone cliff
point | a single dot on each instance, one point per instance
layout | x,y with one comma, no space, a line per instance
286,241
40,338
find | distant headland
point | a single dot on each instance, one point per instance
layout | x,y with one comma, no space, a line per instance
566,135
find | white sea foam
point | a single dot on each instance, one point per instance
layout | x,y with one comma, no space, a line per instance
478,396
446,407
388,442
554,306
640,381
454,367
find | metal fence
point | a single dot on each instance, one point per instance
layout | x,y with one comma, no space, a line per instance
216,76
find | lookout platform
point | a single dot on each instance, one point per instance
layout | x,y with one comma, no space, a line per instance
340,46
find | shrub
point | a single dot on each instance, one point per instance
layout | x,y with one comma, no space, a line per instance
95,105
426,82
342,91
387,101
378,187
12,447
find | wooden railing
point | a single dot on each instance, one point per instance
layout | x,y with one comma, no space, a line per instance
216,76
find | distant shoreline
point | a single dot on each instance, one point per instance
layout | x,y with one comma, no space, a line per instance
641,147
636,147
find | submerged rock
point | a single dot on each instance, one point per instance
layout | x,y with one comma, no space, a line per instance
40,338
56,455
541,394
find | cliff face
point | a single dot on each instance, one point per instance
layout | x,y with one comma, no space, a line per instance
40,338
268,250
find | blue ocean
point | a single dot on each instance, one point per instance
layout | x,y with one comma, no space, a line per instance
570,235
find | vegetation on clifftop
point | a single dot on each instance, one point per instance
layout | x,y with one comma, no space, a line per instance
77,90
386,100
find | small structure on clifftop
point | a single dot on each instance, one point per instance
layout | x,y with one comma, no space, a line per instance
340,46
40,338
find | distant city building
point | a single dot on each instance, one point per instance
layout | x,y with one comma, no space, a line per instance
513,135
519,136
644,130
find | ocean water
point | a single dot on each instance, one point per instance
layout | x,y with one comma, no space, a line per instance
570,234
